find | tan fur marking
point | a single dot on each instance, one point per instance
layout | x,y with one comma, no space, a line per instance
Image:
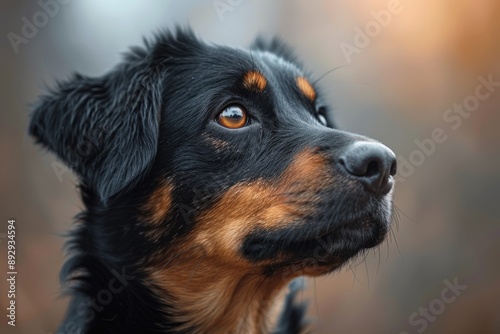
159,203
306,88
214,287
216,143
216,297
254,81
268,204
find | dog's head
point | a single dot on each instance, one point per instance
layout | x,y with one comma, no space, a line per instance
227,151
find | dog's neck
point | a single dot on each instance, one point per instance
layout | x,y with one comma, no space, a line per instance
193,293
211,297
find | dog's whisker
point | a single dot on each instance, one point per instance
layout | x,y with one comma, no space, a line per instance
395,241
354,274
388,247
329,71
367,273
404,214
378,258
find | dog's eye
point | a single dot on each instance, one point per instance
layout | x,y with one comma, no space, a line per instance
233,117
321,115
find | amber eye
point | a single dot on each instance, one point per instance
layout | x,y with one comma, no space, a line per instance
233,117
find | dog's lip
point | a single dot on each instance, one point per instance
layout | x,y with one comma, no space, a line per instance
333,257
365,221
331,227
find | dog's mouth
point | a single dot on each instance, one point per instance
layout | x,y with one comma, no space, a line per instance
323,242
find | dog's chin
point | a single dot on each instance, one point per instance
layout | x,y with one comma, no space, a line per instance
318,250
326,253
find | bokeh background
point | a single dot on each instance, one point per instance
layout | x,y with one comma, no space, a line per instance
397,88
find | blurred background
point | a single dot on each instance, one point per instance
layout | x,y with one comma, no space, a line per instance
423,77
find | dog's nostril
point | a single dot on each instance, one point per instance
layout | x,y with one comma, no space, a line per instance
394,168
372,168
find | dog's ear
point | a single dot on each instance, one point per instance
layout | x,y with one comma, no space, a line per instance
106,129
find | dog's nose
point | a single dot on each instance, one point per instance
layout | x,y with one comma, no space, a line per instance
371,163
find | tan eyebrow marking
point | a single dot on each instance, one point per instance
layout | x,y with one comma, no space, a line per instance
306,88
254,81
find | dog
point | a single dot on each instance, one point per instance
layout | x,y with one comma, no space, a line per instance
212,178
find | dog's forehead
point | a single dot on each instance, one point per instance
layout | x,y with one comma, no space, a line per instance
277,62
207,81
284,74
259,69
276,69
